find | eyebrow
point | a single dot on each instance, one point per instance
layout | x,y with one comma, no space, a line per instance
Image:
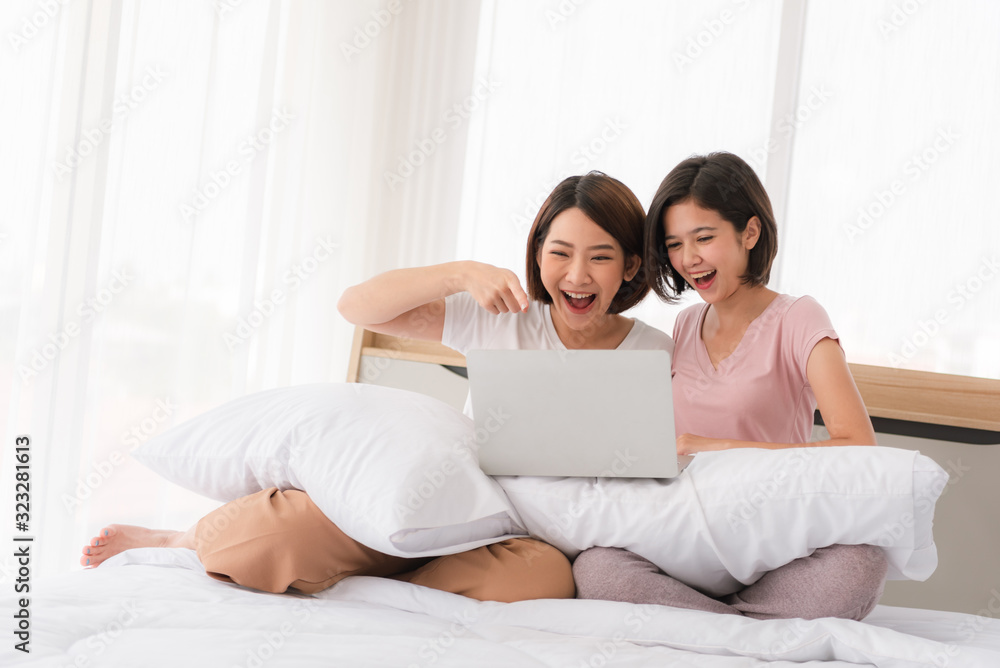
697,230
597,247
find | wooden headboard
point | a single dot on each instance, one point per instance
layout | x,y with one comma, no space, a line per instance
897,394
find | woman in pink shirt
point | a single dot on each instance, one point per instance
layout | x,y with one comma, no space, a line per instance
750,368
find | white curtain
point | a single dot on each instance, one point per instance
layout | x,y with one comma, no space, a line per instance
831,102
892,220
190,186
611,86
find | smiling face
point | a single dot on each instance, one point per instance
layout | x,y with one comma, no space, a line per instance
582,267
707,250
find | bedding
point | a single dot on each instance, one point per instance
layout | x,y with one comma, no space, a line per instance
156,607
393,469
397,471
734,515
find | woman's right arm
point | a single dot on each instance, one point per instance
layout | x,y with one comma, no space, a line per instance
410,302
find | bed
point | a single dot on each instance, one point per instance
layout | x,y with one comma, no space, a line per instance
153,607
156,607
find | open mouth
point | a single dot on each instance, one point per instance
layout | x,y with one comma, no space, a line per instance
704,279
579,302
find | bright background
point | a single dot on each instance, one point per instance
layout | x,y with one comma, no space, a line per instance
238,163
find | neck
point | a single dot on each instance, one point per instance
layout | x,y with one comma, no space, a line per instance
600,334
743,306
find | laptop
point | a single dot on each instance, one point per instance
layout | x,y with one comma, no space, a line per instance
588,413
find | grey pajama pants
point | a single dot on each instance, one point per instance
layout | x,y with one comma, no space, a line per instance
843,581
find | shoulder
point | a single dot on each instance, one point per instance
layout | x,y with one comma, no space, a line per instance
691,313
647,337
461,307
469,326
688,320
532,319
459,303
803,324
805,311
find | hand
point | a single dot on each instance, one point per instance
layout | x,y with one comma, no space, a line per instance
689,444
496,290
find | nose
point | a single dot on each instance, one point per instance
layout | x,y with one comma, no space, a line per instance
578,273
689,256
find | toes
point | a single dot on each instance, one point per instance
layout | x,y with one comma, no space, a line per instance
89,556
92,550
92,558
103,537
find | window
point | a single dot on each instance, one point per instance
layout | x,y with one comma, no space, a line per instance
878,112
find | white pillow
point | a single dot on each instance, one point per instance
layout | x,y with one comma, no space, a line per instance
734,515
393,469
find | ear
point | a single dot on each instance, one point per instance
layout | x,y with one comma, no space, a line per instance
632,265
751,235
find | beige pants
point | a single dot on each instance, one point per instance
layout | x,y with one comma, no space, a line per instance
275,540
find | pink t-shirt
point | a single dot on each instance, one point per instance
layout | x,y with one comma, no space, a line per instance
760,392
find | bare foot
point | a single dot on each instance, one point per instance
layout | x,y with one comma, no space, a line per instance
116,538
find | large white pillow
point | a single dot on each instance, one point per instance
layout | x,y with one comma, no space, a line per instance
395,470
736,514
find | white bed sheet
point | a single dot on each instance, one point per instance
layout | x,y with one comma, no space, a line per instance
156,607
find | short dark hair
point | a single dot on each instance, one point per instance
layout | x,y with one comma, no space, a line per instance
609,203
721,182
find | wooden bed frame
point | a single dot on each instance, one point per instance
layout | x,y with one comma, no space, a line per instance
897,394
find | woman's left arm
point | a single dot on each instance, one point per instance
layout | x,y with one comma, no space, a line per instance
837,398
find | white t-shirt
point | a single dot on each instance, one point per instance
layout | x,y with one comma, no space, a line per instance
468,326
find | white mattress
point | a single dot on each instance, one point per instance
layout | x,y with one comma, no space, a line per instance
156,607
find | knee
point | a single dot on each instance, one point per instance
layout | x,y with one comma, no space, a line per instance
857,580
590,570
600,572
869,569
596,562
541,569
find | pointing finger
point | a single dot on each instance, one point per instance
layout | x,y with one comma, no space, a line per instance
519,294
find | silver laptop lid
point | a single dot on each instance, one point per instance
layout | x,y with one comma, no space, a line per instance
606,413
